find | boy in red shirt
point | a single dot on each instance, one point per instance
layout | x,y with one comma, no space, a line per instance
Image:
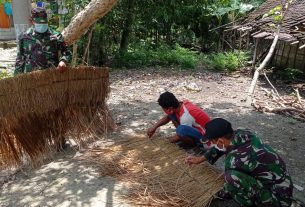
188,119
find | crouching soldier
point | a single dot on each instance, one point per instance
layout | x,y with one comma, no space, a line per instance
255,175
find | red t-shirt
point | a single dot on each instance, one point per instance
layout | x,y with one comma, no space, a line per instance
192,115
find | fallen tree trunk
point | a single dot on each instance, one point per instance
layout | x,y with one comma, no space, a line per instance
262,66
284,9
80,23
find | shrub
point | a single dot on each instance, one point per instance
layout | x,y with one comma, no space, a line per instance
162,56
226,61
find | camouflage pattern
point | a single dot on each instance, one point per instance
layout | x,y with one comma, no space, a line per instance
39,15
38,51
255,175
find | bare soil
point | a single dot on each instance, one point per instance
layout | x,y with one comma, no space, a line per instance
69,180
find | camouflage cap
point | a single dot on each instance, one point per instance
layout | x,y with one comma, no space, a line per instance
39,15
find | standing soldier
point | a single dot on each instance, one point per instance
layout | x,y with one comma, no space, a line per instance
41,47
255,175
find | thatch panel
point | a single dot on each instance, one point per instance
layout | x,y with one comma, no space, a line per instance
156,174
48,89
38,108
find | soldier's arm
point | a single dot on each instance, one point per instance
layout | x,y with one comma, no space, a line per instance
20,60
65,51
212,155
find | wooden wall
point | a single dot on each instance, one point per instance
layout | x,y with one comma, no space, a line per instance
289,56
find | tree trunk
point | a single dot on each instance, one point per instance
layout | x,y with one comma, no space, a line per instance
74,56
86,52
127,26
95,10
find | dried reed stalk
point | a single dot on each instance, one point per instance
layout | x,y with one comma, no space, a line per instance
156,174
38,108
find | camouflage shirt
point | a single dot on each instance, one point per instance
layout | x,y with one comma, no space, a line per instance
249,155
38,51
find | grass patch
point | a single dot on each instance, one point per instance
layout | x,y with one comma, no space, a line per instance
163,56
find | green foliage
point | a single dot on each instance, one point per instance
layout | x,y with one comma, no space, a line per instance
160,24
227,61
162,56
276,12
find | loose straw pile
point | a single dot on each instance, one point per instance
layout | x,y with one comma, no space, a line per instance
156,174
38,108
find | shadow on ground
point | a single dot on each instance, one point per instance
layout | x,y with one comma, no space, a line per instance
66,181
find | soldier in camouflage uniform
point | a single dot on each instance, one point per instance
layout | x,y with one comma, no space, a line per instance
255,175
41,47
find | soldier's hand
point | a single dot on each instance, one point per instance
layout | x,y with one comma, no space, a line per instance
191,159
62,66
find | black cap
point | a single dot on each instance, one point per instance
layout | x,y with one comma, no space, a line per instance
217,128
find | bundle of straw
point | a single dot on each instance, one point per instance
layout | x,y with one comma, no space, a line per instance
37,109
156,174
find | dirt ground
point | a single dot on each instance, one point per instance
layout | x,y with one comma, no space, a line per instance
69,180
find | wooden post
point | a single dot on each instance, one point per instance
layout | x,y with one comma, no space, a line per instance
248,40
255,53
240,39
303,60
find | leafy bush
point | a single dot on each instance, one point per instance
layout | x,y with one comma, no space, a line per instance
227,61
163,56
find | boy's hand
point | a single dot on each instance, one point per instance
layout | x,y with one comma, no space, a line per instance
191,159
151,131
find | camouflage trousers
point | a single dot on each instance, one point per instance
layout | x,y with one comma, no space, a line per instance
248,191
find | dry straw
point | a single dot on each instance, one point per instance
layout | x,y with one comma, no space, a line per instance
38,108
156,174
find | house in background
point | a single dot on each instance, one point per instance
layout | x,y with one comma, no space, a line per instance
15,15
290,50
14,19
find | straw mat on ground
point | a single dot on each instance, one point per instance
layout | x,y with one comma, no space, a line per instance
155,173
37,109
